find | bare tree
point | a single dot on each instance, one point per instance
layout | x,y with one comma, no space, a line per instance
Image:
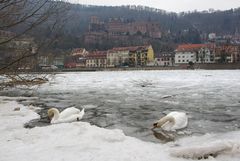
18,50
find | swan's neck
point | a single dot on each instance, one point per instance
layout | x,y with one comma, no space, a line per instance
164,120
55,114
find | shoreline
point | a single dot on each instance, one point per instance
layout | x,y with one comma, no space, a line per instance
150,68
180,67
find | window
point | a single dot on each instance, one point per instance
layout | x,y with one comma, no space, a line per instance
179,61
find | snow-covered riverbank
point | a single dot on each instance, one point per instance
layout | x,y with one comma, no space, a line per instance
81,141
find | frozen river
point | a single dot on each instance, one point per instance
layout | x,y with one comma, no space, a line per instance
133,100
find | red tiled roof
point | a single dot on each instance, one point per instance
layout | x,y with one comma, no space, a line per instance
190,47
97,54
79,52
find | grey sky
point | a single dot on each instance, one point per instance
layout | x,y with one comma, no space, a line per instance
169,5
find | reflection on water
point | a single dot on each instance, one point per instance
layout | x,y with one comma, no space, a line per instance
133,100
163,136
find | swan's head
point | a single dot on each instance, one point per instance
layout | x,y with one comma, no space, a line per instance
162,121
51,112
83,111
155,125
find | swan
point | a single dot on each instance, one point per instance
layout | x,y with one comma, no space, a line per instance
68,115
172,121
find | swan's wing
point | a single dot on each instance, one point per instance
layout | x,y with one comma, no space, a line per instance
69,119
168,126
69,112
181,120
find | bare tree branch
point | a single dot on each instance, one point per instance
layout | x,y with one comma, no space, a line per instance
27,15
27,54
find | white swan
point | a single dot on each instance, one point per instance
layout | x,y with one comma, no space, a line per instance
172,121
68,115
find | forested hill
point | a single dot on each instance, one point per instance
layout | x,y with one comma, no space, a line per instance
222,22
197,23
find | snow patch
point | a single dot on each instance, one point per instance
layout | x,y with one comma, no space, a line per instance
206,150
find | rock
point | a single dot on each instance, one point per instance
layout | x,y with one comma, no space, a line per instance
28,125
16,109
167,96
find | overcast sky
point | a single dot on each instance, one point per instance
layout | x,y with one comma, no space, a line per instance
169,5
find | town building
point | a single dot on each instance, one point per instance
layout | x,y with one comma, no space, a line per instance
165,59
141,56
118,57
43,60
69,62
137,57
227,53
96,59
58,61
79,52
195,53
79,57
119,29
117,26
131,56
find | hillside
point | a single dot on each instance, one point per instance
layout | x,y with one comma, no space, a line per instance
176,28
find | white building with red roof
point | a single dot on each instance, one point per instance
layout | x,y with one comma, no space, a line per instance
195,53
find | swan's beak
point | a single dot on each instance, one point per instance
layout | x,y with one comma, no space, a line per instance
154,126
49,118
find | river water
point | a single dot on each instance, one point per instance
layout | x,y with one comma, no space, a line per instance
133,100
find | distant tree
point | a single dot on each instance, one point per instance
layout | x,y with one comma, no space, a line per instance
223,57
190,65
139,33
